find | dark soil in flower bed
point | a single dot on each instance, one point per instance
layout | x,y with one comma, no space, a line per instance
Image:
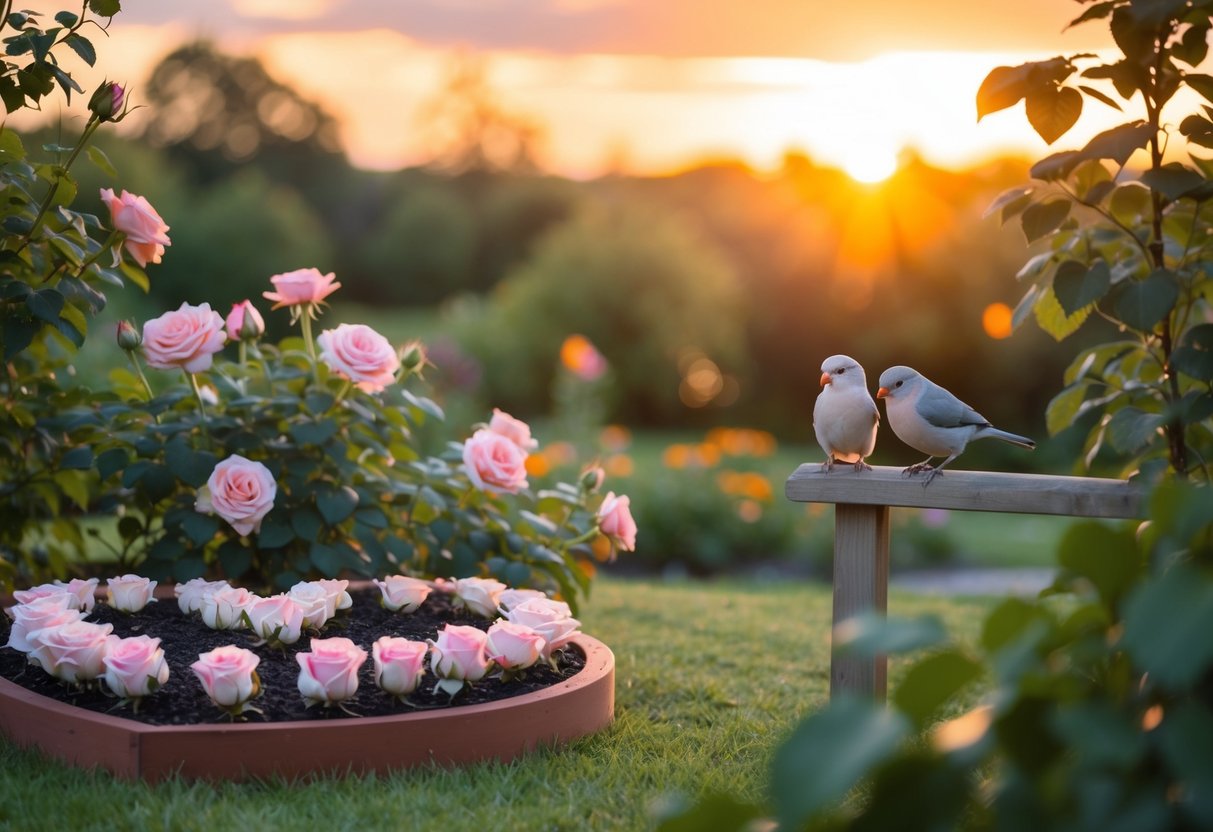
182,701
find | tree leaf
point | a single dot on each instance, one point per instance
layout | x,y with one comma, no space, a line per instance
829,753
234,559
77,458
1064,407
1054,320
1077,286
1142,304
1118,143
1167,624
1107,557
1003,87
1194,356
932,682
1044,218
872,634
1010,202
1172,180
1202,84
105,8
1052,111
1131,429
1056,166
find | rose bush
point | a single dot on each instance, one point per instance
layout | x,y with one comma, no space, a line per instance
236,458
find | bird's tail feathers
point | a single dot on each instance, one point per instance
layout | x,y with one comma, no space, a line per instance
1013,438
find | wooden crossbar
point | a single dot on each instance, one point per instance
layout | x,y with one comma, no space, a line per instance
861,530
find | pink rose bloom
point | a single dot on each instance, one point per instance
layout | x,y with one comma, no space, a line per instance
361,354
551,619
515,430
511,598
146,233
191,593
402,593
477,595
460,654
277,619
84,591
73,651
134,667
495,463
514,646
39,614
329,673
615,521
241,492
315,601
186,338
244,322
229,676
221,609
399,664
335,593
130,593
299,287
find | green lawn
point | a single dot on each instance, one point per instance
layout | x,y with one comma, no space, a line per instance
709,677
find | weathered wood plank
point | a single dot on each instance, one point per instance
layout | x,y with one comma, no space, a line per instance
968,491
861,583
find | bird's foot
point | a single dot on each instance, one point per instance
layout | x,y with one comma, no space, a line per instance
862,466
916,469
935,472
828,465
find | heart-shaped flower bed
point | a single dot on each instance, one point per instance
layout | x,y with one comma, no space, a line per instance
178,728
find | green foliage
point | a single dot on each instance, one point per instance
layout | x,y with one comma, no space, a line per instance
421,250
353,494
1101,707
1133,252
642,287
55,263
240,230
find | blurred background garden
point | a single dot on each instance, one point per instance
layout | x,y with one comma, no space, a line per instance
665,316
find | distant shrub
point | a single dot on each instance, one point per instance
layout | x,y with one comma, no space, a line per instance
641,286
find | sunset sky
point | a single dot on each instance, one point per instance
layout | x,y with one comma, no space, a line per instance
640,85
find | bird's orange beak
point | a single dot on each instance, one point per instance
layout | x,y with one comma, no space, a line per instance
882,392
825,379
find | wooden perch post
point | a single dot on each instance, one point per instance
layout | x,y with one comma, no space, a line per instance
861,530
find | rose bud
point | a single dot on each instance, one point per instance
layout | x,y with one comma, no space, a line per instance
402,593
72,652
244,322
134,667
130,593
229,676
514,646
459,656
478,596
399,664
107,101
329,673
129,338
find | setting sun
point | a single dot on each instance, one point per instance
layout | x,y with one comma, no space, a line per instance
870,166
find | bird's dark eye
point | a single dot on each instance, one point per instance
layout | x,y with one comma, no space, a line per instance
841,370
898,384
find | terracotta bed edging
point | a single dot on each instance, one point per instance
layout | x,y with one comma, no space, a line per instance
500,730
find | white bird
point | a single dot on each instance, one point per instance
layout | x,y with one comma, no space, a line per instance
930,419
844,416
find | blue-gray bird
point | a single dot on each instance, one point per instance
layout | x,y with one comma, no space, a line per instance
930,419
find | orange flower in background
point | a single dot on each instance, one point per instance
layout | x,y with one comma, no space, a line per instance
748,484
615,437
742,441
619,465
581,358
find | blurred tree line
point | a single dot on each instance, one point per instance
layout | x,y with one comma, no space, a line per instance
761,276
